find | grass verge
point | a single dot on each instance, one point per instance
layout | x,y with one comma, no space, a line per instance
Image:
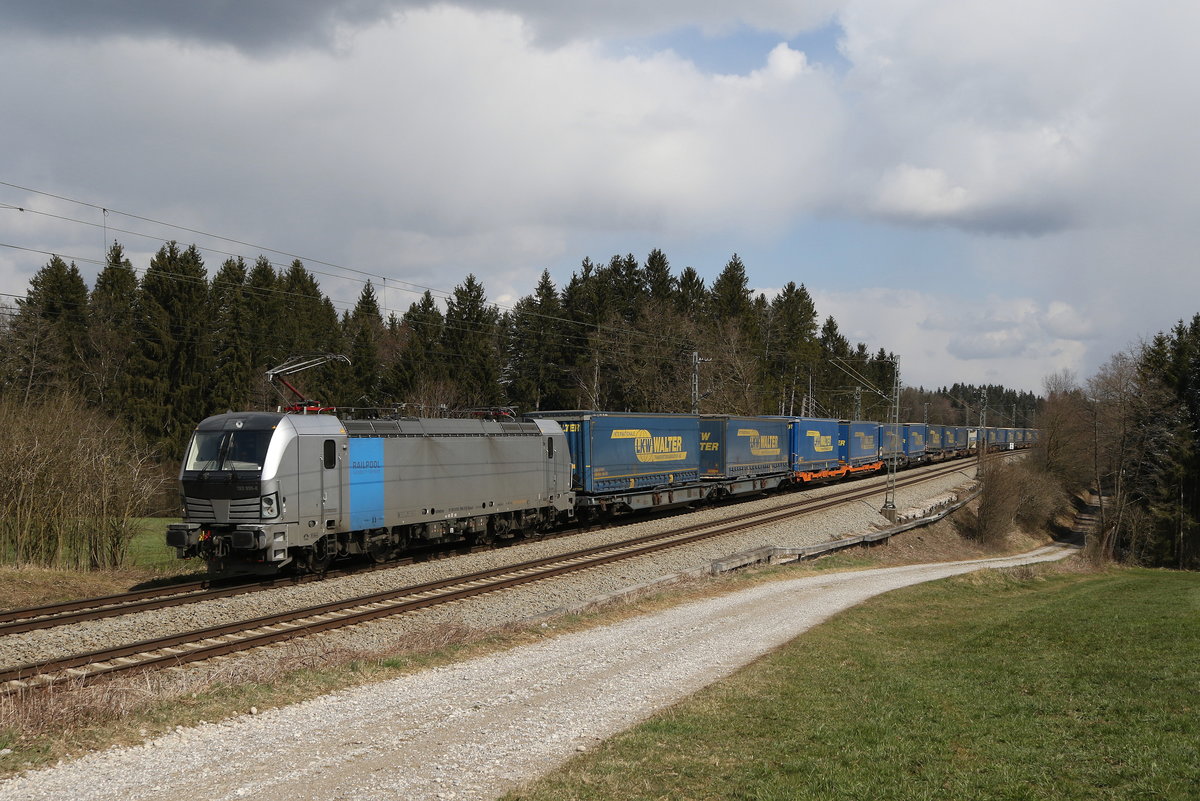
1023,684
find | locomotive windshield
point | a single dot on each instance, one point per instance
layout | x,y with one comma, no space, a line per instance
239,450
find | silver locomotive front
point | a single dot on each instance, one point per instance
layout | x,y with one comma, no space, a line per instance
236,477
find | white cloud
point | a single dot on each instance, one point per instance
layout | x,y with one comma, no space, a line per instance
1014,117
919,193
946,338
1065,322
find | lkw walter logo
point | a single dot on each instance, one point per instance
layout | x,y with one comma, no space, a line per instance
650,448
760,444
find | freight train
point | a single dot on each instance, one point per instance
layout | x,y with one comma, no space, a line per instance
262,491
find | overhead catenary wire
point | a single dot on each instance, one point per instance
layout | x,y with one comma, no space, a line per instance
682,345
307,260
443,295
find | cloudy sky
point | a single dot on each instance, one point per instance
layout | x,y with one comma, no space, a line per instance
995,191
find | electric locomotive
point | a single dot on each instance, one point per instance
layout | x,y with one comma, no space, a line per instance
263,491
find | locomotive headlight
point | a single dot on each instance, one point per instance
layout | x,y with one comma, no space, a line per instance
270,505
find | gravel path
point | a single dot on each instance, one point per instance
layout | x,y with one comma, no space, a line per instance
476,729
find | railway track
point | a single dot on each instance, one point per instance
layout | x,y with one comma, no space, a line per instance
15,621
228,638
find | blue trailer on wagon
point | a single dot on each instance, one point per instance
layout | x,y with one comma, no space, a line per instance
915,438
816,449
630,462
745,454
858,446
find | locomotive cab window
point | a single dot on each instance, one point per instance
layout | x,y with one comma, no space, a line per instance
241,450
330,454
549,447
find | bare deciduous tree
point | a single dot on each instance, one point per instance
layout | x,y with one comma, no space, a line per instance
74,488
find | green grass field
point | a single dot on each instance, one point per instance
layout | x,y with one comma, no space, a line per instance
990,686
148,548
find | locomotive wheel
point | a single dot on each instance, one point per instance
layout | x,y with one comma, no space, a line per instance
320,556
379,549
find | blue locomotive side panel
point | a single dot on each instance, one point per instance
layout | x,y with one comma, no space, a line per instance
858,442
915,439
815,444
743,446
447,470
620,452
367,483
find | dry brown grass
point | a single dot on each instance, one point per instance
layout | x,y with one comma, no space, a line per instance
23,587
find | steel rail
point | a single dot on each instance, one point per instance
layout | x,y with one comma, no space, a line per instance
16,621
100,601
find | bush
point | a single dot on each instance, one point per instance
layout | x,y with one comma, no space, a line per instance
1013,494
74,483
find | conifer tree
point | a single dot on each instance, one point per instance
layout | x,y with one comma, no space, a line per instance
47,345
265,301
307,320
534,349
471,342
419,375
659,282
307,324
170,371
692,297
111,318
232,368
730,298
834,384
792,352
364,330
735,349
586,305
625,284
